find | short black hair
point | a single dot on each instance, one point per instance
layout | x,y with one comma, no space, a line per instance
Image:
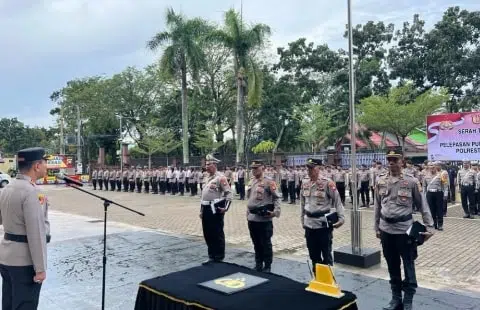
25,166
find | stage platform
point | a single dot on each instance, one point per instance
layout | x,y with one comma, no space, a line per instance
181,290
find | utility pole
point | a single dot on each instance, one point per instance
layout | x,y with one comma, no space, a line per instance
121,146
62,136
79,138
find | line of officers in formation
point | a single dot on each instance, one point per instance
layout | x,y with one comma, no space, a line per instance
396,193
321,190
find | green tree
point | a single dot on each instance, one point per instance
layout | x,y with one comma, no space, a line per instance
264,147
396,113
243,41
182,52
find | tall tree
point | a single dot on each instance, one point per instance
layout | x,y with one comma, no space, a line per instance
397,113
182,52
243,41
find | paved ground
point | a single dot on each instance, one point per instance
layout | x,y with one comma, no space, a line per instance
74,278
448,261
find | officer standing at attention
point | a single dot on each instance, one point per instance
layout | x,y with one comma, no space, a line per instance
23,249
262,191
319,194
396,193
215,201
94,178
466,182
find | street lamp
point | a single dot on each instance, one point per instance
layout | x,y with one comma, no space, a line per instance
354,255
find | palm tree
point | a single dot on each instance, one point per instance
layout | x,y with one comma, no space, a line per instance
242,42
182,41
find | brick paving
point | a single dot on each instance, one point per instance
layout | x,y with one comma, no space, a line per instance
449,261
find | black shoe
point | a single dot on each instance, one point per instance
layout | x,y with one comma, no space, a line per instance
440,227
209,261
258,267
267,269
395,304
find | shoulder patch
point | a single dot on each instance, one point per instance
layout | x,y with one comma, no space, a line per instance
332,186
223,181
42,199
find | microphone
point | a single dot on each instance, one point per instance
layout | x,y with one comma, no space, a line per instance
68,180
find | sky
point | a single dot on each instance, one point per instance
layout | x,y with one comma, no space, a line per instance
49,42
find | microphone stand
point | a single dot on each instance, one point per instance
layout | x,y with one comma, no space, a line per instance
106,204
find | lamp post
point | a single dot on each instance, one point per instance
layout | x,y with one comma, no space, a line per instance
354,255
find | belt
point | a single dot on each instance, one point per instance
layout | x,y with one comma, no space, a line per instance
434,190
316,214
20,238
398,219
206,203
467,185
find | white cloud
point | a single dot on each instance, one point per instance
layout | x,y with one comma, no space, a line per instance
48,42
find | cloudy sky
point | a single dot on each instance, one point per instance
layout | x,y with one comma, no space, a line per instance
45,43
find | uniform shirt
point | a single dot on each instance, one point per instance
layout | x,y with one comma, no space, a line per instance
138,174
228,174
291,175
284,174
410,171
261,192
319,196
241,174
106,175
118,175
100,174
339,176
131,174
363,176
466,177
181,176
163,175
394,197
146,175
125,174
24,211
112,175
435,182
94,174
216,187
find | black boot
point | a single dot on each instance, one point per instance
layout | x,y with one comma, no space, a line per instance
267,268
258,267
396,302
408,301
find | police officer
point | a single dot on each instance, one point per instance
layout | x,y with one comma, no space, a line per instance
466,181
111,178
94,178
396,193
100,178
125,180
436,189
262,191
364,178
215,201
319,194
339,177
23,248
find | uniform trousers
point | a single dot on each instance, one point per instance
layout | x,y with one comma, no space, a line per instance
125,184
467,193
105,183
147,186
284,187
163,186
138,182
193,188
399,248
173,188
477,202
181,188
364,193
291,190
19,292
212,225
119,185
341,190
241,187
435,202
132,185
236,188
112,185
319,244
154,183
94,183
100,184
452,191
261,234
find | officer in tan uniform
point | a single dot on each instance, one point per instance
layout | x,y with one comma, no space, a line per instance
396,193
111,178
263,204
125,180
118,178
319,194
23,248
215,201
94,178
436,191
466,178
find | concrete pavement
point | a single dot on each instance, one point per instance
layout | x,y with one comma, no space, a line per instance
135,253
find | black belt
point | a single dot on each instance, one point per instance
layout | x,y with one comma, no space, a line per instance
398,219
316,214
20,238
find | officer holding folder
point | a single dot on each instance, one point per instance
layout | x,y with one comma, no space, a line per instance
395,195
318,196
23,248
263,204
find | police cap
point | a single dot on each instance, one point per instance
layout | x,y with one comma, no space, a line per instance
209,159
312,162
394,154
257,163
31,154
